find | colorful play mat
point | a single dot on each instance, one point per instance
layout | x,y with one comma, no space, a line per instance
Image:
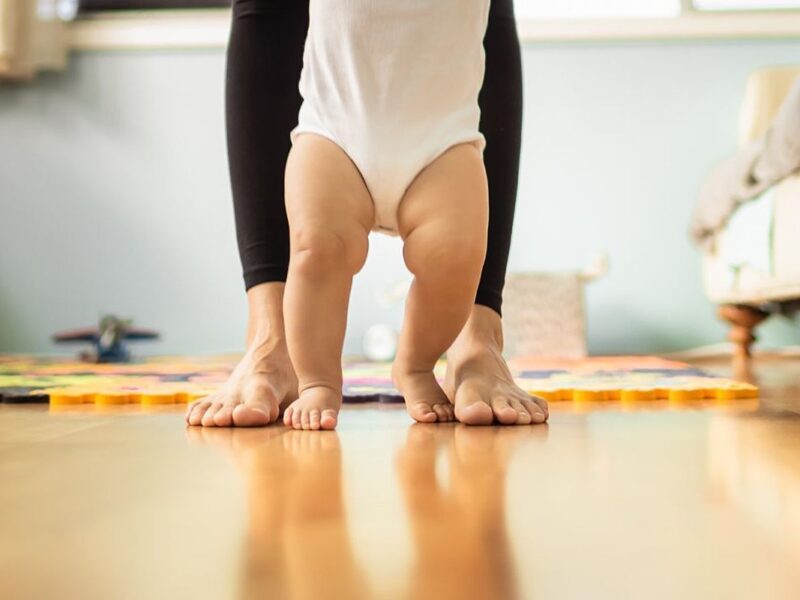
174,379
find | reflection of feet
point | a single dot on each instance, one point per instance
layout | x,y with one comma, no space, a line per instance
244,446
425,400
259,386
478,450
425,497
316,408
421,448
479,382
311,452
457,515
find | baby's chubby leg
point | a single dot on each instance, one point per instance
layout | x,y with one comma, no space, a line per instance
443,220
330,215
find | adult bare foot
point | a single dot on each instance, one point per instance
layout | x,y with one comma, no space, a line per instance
478,381
264,381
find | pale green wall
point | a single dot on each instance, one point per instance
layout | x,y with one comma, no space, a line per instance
114,193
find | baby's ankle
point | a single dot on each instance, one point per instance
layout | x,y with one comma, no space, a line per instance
403,369
320,389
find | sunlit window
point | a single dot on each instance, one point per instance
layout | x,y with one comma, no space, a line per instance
746,4
588,9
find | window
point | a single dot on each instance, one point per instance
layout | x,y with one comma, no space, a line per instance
583,9
746,4
599,9
91,5
105,25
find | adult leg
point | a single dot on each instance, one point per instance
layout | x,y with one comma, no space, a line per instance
265,57
478,381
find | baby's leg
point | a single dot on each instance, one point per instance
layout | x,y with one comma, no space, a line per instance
443,220
330,215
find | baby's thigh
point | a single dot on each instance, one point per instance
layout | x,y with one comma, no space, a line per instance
324,189
446,207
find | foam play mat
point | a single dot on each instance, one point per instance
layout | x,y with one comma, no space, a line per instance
173,380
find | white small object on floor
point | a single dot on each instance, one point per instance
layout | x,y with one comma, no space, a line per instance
380,343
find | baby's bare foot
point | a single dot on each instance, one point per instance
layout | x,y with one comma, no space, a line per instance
259,386
316,408
426,402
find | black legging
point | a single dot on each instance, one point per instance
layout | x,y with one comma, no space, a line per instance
265,57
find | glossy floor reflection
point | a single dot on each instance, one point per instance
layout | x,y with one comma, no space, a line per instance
660,501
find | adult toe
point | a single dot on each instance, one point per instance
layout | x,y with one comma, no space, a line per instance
244,415
538,413
503,411
224,416
208,417
471,408
541,403
524,417
196,416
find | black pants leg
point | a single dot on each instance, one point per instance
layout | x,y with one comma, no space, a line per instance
265,58
262,101
501,124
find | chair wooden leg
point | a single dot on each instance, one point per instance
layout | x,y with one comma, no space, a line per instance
743,320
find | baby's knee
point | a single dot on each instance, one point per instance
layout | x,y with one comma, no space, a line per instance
448,253
316,251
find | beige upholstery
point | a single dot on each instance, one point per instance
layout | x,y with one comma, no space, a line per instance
766,90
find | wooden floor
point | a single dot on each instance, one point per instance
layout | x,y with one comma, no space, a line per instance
606,502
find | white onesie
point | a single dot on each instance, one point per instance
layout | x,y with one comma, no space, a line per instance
394,83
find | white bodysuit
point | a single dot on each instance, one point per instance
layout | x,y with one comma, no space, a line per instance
394,83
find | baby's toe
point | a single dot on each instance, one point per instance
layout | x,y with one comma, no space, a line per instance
287,415
328,419
297,415
422,412
314,419
444,412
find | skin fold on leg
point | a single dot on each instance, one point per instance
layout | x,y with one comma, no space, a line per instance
330,215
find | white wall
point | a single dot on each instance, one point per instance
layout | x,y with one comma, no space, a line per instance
114,193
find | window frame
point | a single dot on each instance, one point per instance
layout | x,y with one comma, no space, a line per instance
208,28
